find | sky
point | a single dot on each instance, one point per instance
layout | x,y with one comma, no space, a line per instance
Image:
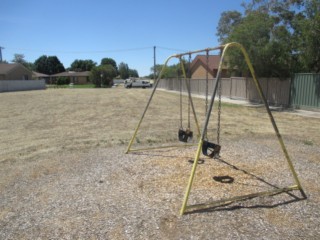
124,30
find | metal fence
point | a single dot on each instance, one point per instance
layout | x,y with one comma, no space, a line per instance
277,91
305,91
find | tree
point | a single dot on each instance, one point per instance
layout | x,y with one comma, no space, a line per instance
82,65
267,32
109,61
48,65
123,70
172,71
19,58
228,21
307,37
133,73
103,75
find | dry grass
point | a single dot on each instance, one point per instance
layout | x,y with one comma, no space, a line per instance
33,123
63,173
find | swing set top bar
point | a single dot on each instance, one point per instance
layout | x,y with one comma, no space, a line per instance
198,51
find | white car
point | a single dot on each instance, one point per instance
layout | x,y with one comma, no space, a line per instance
137,84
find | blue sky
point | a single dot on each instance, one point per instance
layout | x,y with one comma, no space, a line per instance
125,30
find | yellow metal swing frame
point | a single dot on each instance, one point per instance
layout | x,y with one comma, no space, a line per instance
185,80
221,202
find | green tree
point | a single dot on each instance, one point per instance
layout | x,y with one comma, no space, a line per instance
157,72
123,70
307,37
82,65
41,65
48,65
133,73
19,58
63,81
267,32
103,75
172,71
228,21
109,61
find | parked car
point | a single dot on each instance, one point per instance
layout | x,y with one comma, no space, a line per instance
137,83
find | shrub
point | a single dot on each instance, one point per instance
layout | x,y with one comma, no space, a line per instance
63,81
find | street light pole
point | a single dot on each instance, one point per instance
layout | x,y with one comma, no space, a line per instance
1,53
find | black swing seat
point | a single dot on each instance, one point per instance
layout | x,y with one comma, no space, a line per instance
211,150
185,135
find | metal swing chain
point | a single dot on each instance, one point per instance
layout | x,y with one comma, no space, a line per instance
219,112
207,87
180,83
189,89
207,76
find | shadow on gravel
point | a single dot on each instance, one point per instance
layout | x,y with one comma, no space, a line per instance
227,207
231,206
156,153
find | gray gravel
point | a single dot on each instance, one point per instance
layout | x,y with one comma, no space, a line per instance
106,194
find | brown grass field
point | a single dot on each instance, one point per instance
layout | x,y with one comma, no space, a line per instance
46,134
53,121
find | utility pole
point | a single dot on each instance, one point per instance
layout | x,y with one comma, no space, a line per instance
1,54
154,64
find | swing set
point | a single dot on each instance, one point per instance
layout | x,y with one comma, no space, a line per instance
212,149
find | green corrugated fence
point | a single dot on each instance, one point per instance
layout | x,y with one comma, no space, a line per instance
305,91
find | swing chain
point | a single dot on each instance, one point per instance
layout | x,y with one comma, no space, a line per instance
207,87
180,85
189,88
219,112
219,107
207,84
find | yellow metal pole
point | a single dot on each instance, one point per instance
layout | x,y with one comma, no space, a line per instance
193,171
203,134
147,106
240,198
283,147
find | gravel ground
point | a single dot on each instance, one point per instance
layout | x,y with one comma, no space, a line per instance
106,194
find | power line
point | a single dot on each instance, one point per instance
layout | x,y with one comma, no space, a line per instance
82,52
97,51
172,49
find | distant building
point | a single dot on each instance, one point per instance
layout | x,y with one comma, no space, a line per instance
14,71
39,76
74,77
200,66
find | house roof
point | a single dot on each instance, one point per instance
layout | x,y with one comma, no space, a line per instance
213,62
6,68
72,74
37,74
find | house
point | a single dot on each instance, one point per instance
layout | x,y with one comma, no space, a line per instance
14,71
74,77
200,66
39,76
